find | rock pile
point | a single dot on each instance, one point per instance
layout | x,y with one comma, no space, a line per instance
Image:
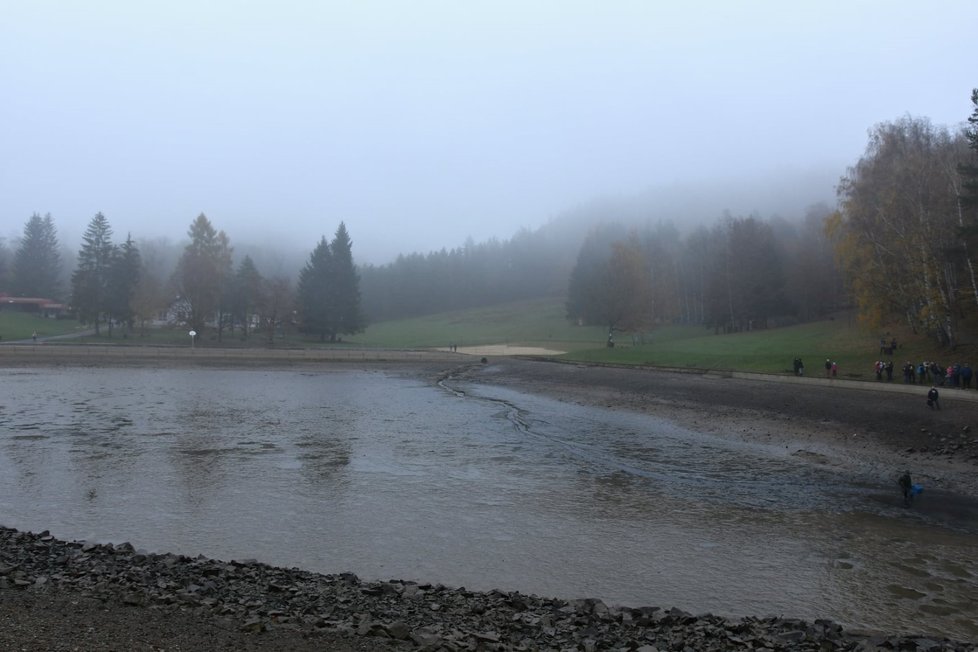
256,597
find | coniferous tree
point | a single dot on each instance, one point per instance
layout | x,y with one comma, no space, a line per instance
5,262
123,281
225,282
201,272
247,293
345,316
90,282
37,263
314,292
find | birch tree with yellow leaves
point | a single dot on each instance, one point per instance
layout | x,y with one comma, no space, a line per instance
897,232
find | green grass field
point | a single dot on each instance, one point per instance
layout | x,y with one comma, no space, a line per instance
541,323
20,326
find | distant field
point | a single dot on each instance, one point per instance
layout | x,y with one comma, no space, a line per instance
20,326
541,324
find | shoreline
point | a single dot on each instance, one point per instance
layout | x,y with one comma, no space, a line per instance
824,424
58,594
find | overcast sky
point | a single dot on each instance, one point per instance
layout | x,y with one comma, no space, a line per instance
422,123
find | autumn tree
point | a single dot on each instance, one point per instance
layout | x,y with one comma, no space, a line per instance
202,272
611,285
37,263
662,247
151,295
968,196
90,282
898,234
276,307
969,168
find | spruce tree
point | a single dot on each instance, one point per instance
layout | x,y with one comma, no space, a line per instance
314,292
123,281
246,295
91,279
346,316
37,263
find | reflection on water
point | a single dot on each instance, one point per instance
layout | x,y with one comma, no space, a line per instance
481,487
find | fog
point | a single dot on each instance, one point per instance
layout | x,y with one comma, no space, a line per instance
423,124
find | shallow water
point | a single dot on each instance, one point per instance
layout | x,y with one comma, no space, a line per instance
475,486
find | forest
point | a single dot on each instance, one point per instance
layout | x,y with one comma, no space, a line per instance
898,246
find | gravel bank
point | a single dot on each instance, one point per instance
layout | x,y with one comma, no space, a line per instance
73,595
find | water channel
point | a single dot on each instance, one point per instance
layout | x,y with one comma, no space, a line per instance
469,485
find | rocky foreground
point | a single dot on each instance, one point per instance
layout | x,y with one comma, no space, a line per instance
265,604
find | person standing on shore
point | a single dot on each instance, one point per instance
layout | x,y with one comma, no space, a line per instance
906,485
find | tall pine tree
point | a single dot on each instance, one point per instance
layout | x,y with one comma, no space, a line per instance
123,281
346,316
246,293
37,263
329,290
314,292
90,280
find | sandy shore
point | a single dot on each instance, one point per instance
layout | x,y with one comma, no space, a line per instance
846,425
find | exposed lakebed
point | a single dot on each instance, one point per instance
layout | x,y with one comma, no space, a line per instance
394,477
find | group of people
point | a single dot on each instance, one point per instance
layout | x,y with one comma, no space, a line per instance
928,373
881,368
831,368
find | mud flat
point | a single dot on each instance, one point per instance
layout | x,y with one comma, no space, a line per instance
887,427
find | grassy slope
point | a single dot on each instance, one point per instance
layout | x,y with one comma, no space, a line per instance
526,323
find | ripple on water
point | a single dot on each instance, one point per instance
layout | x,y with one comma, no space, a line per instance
905,592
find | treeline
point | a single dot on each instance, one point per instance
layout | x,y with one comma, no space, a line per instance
529,265
741,274
901,246
117,285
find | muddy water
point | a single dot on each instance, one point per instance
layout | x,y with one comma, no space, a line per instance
473,486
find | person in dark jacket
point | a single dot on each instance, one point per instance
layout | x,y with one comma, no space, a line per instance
933,399
906,485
